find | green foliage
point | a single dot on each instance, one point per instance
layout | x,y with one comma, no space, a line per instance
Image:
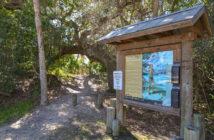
15,111
17,55
96,68
70,65
204,79
204,75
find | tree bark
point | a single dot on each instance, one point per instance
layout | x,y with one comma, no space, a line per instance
186,86
155,8
13,4
42,67
110,69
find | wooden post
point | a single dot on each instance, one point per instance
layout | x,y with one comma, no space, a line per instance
74,99
119,94
113,102
115,128
100,100
186,86
191,133
199,123
197,120
110,118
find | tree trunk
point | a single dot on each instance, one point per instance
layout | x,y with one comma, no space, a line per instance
161,3
155,8
42,67
110,69
13,4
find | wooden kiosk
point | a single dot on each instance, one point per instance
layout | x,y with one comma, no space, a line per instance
155,57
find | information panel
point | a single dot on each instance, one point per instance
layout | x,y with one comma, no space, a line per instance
118,80
133,76
148,77
157,76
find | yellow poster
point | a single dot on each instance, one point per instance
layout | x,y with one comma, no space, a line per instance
133,75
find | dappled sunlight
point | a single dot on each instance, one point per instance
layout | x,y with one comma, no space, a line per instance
60,119
7,138
92,105
160,126
144,136
50,127
17,124
72,90
62,113
53,118
94,87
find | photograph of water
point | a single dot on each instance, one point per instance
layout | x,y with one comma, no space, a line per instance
156,72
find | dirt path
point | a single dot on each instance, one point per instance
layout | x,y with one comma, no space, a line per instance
59,120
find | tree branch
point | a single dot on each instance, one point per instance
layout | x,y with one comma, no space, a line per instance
13,5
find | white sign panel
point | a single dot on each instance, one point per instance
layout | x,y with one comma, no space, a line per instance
118,80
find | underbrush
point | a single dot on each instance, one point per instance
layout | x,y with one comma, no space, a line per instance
15,111
22,100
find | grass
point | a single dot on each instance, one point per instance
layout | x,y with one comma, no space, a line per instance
15,111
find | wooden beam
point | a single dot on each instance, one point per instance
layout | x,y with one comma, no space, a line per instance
167,110
110,117
186,85
119,94
200,28
207,24
198,15
152,49
191,133
158,42
198,121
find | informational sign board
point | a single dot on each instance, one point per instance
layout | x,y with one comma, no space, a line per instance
118,80
133,76
148,77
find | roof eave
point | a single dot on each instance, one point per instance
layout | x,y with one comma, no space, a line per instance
164,28
208,25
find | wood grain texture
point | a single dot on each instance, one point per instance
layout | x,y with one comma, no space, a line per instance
198,121
191,133
119,94
186,86
167,40
167,110
115,128
113,102
109,119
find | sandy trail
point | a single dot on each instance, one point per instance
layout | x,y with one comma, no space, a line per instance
60,120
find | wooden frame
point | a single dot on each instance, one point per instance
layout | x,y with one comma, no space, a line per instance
176,48
181,47
167,110
155,35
